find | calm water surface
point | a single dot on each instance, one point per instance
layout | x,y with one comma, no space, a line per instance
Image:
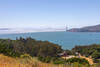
66,39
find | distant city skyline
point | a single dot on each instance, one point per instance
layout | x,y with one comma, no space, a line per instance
49,13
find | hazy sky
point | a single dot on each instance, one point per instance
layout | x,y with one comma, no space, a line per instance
49,13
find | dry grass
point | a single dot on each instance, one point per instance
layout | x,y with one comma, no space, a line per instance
6,61
89,59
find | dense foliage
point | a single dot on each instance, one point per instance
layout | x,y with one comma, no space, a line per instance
46,51
79,60
90,50
20,46
55,60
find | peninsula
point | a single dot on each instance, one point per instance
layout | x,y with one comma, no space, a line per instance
95,28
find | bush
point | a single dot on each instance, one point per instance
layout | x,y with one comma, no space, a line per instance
54,60
59,62
25,56
46,59
79,60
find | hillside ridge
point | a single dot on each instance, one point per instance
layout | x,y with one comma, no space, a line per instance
95,28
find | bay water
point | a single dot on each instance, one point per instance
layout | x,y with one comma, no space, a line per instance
66,39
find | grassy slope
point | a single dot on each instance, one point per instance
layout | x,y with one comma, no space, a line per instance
6,61
20,62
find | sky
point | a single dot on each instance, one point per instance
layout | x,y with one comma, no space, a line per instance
49,13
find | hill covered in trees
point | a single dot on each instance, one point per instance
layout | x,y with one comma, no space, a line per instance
95,28
35,48
47,52
30,46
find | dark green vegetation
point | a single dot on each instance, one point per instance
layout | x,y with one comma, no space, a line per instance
46,51
20,46
79,60
90,50
70,61
55,60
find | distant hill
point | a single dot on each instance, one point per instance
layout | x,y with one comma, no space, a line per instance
95,28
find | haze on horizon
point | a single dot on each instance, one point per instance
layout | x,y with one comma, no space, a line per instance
49,13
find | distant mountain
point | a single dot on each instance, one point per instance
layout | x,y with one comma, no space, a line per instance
95,28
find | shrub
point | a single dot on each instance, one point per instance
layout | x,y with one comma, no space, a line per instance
79,60
25,56
45,59
59,62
